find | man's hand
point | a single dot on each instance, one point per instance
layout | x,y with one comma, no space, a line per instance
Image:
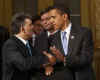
52,59
48,70
58,54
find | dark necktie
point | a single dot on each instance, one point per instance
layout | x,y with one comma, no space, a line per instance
29,48
51,40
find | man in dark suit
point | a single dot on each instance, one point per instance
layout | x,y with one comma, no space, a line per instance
74,44
42,40
20,60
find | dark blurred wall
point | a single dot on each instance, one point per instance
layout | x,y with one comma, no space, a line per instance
5,12
29,6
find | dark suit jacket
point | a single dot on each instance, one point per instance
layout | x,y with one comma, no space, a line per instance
42,43
17,63
80,55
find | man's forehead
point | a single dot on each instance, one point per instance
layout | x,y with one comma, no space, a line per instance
28,21
52,12
44,15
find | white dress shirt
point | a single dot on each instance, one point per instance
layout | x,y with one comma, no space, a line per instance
21,39
67,30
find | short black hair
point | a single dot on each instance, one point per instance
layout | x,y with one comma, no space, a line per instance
61,8
45,10
35,18
18,21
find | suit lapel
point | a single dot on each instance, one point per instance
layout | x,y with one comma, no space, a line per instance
21,46
72,40
59,42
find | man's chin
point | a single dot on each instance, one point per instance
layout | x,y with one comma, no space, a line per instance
48,28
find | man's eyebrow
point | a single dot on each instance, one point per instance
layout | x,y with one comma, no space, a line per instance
52,16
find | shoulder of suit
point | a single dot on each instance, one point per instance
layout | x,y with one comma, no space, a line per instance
12,40
81,28
85,29
58,32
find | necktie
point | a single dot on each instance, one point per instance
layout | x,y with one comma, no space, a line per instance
50,39
64,42
33,40
29,48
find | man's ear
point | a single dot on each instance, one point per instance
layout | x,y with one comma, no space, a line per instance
65,16
22,29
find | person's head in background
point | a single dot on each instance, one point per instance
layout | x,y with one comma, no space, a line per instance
37,23
45,20
59,16
4,35
22,25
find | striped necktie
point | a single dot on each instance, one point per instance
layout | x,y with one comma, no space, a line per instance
64,42
29,48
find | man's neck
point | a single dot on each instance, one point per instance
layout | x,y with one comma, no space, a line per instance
65,26
51,31
22,36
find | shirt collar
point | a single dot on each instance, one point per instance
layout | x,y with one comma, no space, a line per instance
21,39
51,33
33,36
68,29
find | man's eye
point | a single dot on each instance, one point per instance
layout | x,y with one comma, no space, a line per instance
53,17
30,24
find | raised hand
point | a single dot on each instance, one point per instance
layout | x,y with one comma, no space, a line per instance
52,59
57,53
48,70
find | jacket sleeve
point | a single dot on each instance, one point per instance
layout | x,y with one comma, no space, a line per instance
13,57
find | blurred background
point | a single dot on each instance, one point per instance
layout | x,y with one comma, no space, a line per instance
83,12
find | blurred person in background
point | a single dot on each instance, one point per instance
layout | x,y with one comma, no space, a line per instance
4,35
